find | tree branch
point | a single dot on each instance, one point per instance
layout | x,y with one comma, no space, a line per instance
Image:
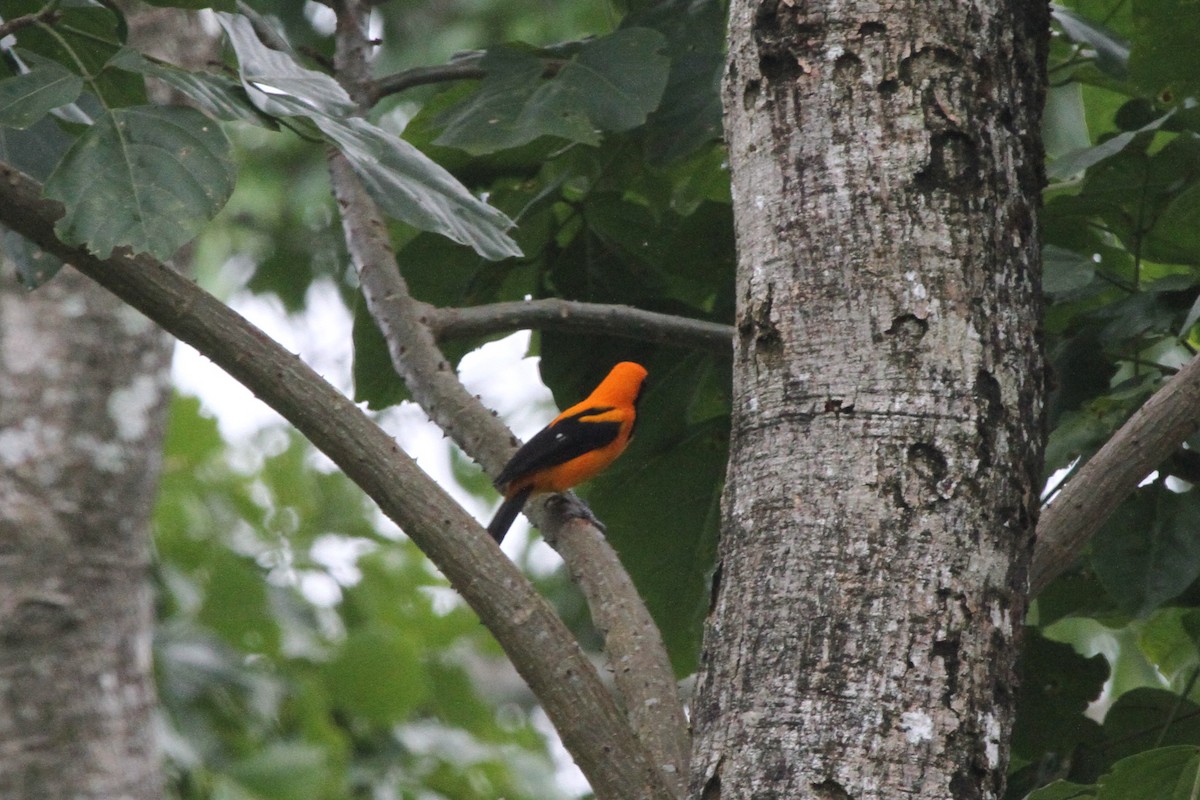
460,69
539,645
1146,440
416,357
606,320
631,638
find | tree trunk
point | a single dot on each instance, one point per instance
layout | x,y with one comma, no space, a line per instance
887,427
83,390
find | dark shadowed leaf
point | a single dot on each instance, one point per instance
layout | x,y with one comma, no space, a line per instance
1149,550
689,115
1056,686
1140,720
1164,61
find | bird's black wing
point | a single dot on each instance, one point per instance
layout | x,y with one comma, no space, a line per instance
556,444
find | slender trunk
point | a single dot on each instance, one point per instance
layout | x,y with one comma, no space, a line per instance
83,389
887,429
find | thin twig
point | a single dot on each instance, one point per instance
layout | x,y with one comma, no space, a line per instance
48,15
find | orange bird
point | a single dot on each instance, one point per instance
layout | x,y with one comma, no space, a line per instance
576,446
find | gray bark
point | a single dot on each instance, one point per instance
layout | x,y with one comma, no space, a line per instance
879,512
83,390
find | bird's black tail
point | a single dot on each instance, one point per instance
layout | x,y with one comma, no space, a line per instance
507,513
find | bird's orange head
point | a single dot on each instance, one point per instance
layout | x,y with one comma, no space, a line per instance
621,387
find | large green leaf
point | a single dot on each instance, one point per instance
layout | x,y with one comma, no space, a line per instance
1149,550
24,99
1167,773
220,96
617,80
1164,61
689,115
402,180
612,84
1140,720
146,177
501,115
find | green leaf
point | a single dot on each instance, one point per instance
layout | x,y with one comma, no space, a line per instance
1167,643
25,99
283,771
375,380
409,186
501,115
236,604
222,97
1139,721
1164,61
1149,550
1168,773
689,115
377,674
1112,51
1077,161
612,84
616,80
147,178
1175,231
34,265
402,180
83,40
1065,270
1064,790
